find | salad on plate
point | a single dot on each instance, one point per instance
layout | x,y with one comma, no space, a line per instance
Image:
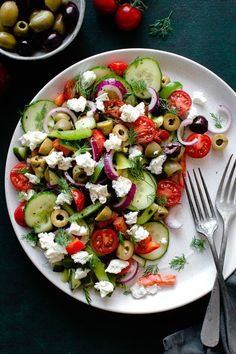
101,170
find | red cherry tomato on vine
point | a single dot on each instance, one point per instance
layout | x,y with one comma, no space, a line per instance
119,67
19,214
128,17
17,177
106,7
104,241
180,100
200,148
145,129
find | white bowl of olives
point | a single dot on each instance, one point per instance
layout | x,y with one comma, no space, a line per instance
38,29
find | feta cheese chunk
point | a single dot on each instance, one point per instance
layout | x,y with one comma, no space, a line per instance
99,101
116,266
130,113
46,240
81,257
88,78
138,233
24,196
86,162
77,230
135,151
81,273
32,139
156,164
55,253
121,186
77,104
97,191
163,241
131,217
65,163
105,287
63,198
53,158
32,178
138,291
199,98
113,143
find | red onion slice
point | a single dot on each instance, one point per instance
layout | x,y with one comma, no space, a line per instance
111,84
154,99
125,202
108,165
71,181
95,149
228,113
183,124
55,110
131,273
111,88
172,220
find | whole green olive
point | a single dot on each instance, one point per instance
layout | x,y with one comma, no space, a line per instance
9,13
165,80
171,168
59,25
61,115
42,21
2,28
35,12
171,122
7,41
125,250
79,176
152,149
53,5
63,124
161,213
21,29
219,141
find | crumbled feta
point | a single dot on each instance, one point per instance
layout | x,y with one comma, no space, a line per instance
55,253
77,230
116,266
199,98
81,273
97,191
63,198
156,164
135,151
163,241
86,162
122,186
192,113
77,104
54,158
32,139
46,240
32,178
130,113
113,143
131,217
138,291
65,163
100,101
24,196
89,114
81,257
105,287
152,289
138,233
88,78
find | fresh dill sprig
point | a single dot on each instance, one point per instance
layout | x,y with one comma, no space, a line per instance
161,27
164,105
198,244
31,238
62,237
138,4
161,200
139,86
63,185
82,149
22,171
87,294
178,262
132,136
121,237
151,269
137,168
217,120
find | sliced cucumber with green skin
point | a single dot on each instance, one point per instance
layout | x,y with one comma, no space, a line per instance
101,71
74,283
38,210
147,214
21,152
34,114
65,276
160,234
121,161
97,265
97,171
86,122
77,134
91,209
139,259
146,71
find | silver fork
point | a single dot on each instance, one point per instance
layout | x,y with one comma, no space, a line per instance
206,223
226,207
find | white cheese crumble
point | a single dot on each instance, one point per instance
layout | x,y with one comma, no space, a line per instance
88,78
46,239
135,151
199,98
192,113
100,101
32,178
163,241
97,191
86,162
116,266
53,158
139,291
65,163
77,230
131,217
138,233
81,257
24,196
55,253
63,198
113,143
81,273
121,186
130,113
156,164
77,104
32,139
105,287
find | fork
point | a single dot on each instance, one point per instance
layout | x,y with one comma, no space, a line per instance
226,207
206,223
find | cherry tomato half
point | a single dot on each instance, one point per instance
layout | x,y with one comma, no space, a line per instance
18,179
106,7
19,214
79,199
119,67
104,241
100,140
146,246
145,129
180,100
170,191
125,270
120,225
200,148
128,17
70,89
75,246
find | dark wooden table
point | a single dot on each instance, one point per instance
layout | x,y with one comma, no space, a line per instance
35,316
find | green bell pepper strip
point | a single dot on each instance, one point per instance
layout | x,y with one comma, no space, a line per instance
167,90
71,134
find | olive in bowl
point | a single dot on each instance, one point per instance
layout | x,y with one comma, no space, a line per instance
32,30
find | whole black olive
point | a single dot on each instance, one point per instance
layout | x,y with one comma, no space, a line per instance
199,125
24,48
53,41
70,15
172,149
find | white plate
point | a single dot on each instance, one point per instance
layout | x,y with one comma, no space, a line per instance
198,275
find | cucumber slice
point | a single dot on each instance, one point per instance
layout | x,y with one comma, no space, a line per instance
38,210
139,259
121,161
97,265
87,122
34,114
101,71
21,152
143,73
65,276
160,234
74,283
147,214
97,171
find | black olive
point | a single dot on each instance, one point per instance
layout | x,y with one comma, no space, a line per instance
199,125
24,48
70,15
172,149
53,41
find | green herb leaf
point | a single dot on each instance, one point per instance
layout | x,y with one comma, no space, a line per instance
62,237
87,294
217,120
164,105
121,237
82,149
22,171
31,238
198,244
137,168
151,269
178,262
138,4
132,136
161,200
161,27
39,117
139,86
63,185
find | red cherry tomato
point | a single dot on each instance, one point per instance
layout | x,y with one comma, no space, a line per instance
160,135
120,225
100,139
119,67
145,129
104,241
125,270
105,223
106,7
18,179
60,99
19,214
56,144
75,246
181,101
79,199
128,17
146,246
170,191
70,89
200,148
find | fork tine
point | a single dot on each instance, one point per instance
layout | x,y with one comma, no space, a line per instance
207,194
195,217
205,209
220,188
195,198
227,187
